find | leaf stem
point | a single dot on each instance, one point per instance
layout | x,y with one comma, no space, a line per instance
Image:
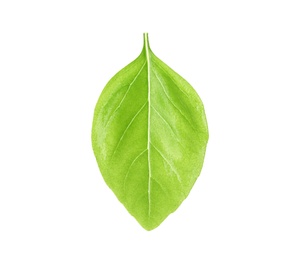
146,41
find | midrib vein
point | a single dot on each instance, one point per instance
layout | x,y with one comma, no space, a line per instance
149,122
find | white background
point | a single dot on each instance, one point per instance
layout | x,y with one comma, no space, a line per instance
246,61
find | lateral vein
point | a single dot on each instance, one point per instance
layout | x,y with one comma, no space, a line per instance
129,87
130,123
131,166
166,160
172,101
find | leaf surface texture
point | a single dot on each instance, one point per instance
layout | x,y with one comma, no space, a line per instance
149,137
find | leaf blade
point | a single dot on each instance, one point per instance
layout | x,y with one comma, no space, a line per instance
149,137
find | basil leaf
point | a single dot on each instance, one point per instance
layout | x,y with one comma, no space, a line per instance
149,137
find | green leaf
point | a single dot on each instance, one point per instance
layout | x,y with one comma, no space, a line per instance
149,137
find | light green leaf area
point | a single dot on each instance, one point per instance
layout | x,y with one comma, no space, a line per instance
149,137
